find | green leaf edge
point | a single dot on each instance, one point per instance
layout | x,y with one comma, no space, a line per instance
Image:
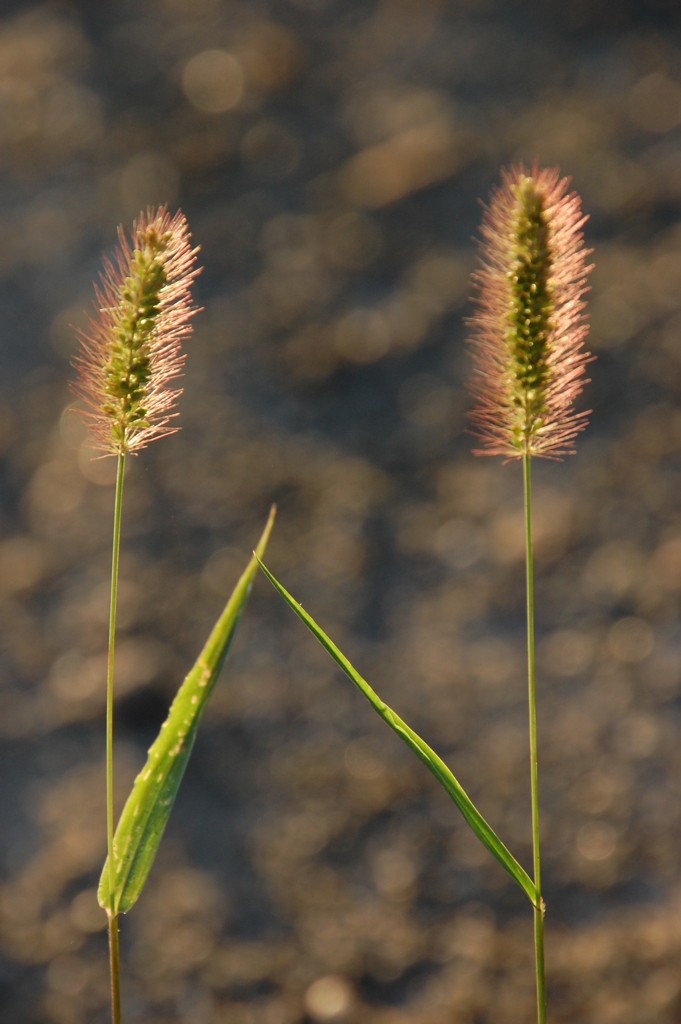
475,820
151,799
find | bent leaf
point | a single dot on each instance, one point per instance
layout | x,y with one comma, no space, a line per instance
482,830
148,808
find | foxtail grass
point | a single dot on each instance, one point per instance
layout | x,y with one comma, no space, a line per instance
527,336
527,343
129,360
130,355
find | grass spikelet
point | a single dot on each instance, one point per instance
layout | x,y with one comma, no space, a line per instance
131,351
528,328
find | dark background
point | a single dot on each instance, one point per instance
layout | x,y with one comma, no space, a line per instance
329,156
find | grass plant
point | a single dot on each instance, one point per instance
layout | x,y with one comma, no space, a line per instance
528,331
130,355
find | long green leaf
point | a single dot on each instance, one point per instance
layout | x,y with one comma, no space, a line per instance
483,831
149,805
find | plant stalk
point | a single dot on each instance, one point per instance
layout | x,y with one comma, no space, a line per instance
113,917
115,962
539,909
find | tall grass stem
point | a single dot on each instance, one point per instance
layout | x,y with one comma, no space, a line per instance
539,909
113,918
115,962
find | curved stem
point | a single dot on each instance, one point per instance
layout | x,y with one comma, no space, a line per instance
539,910
113,917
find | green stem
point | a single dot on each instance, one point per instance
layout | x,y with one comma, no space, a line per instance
115,961
539,909
113,918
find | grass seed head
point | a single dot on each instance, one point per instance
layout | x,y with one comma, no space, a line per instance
528,329
131,351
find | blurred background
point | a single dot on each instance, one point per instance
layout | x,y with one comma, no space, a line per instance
329,156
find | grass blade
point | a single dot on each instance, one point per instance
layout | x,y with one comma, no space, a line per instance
482,830
150,802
